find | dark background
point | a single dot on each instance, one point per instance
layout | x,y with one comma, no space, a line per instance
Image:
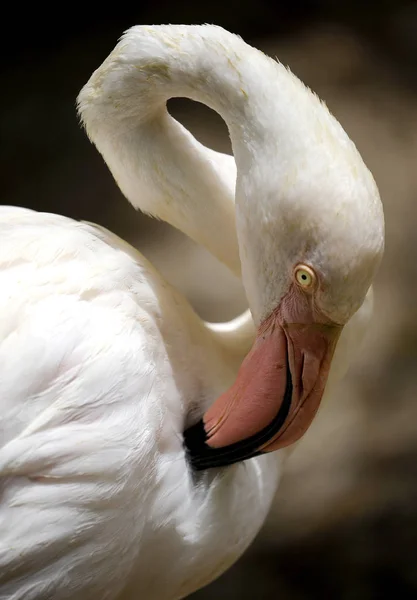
344,524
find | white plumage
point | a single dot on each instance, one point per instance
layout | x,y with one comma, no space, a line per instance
103,364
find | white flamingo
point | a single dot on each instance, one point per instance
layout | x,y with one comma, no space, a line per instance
104,365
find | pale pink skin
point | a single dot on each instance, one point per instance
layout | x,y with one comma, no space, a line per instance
295,334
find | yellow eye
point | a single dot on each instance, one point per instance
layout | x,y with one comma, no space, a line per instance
305,277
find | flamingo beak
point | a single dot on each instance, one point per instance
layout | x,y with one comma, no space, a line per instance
275,397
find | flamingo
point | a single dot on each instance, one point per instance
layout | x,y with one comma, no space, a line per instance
141,447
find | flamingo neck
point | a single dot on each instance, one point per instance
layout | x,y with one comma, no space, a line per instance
159,166
274,121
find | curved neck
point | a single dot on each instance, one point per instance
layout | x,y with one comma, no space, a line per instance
157,163
159,166
165,172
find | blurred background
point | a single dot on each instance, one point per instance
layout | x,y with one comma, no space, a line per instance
344,523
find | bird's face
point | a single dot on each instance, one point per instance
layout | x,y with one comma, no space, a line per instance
305,282
282,380
280,384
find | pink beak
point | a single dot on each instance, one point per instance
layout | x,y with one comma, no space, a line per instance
279,386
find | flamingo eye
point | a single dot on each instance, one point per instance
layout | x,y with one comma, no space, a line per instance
305,277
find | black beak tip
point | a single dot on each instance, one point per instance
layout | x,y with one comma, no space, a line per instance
195,438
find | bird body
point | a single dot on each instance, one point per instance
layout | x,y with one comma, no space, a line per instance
104,365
